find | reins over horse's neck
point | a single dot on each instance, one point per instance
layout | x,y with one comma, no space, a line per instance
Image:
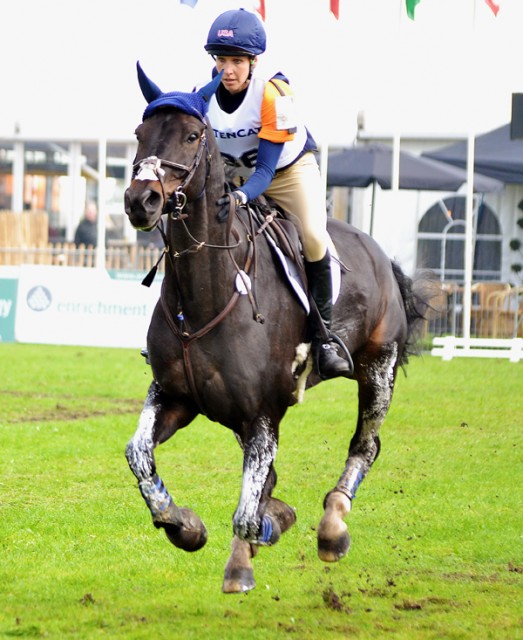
230,238
180,326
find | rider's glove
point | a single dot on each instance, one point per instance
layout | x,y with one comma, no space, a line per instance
224,203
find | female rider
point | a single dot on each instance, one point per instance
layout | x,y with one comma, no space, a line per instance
271,151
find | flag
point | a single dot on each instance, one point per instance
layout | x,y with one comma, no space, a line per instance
335,8
411,5
261,9
190,3
493,6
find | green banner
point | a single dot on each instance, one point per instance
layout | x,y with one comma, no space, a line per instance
8,291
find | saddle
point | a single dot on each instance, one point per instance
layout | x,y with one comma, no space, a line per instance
284,239
273,223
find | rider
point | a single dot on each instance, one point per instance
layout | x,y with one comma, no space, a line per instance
271,151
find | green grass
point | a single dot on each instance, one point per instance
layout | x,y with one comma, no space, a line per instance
436,527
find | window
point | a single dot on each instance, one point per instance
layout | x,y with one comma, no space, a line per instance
441,241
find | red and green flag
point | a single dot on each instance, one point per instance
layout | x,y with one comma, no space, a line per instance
411,6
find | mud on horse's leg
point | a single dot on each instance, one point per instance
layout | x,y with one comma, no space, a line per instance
259,452
183,527
259,519
375,394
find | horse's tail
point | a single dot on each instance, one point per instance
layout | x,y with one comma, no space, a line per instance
417,294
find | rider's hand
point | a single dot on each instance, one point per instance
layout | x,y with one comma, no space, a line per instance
224,203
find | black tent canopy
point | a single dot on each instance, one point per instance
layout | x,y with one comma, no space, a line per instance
372,163
495,155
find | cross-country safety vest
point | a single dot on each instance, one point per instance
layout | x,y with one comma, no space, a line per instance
264,113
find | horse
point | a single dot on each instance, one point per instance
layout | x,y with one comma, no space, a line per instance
229,336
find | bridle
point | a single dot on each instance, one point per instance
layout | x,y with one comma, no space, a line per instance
151,168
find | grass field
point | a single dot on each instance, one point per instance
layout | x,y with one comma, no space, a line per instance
436,528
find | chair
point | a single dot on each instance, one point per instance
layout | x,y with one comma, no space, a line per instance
508,313
485,302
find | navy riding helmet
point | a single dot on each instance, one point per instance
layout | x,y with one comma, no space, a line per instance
236,32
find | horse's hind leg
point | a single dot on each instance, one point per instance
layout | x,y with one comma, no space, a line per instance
376,383
158,421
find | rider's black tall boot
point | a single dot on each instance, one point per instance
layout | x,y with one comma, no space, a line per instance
328,363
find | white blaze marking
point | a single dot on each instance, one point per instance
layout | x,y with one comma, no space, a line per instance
150,169
146,173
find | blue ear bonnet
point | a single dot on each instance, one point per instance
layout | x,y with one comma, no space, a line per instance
195,104
189,103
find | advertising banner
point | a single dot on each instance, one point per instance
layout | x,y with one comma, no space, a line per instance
8,293
79,306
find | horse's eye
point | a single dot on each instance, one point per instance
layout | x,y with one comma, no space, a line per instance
192,137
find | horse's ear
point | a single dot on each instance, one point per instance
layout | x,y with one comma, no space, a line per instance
149,89
209,90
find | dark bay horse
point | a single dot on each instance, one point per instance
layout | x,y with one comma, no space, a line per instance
228,337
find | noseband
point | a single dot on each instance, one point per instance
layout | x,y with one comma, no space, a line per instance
151,168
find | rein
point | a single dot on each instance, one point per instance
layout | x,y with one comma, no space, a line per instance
179,329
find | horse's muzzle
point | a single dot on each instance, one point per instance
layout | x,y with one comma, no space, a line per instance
143,204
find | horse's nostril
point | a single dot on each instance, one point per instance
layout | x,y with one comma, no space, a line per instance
151,200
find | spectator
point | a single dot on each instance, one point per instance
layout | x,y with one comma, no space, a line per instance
87,231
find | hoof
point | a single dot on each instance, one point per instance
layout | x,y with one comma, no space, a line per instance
239,576
283,513
238,581
190,535
333,550
333,536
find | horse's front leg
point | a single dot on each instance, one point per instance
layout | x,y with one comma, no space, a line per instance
376,383
239,573
259,519
159,420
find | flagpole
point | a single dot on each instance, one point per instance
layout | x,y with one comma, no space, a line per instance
469,240
395,176
469,203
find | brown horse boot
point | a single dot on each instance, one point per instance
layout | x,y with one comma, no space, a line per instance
328,363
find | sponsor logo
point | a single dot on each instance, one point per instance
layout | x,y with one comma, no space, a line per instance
39,298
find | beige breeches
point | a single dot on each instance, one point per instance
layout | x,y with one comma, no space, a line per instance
299,190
